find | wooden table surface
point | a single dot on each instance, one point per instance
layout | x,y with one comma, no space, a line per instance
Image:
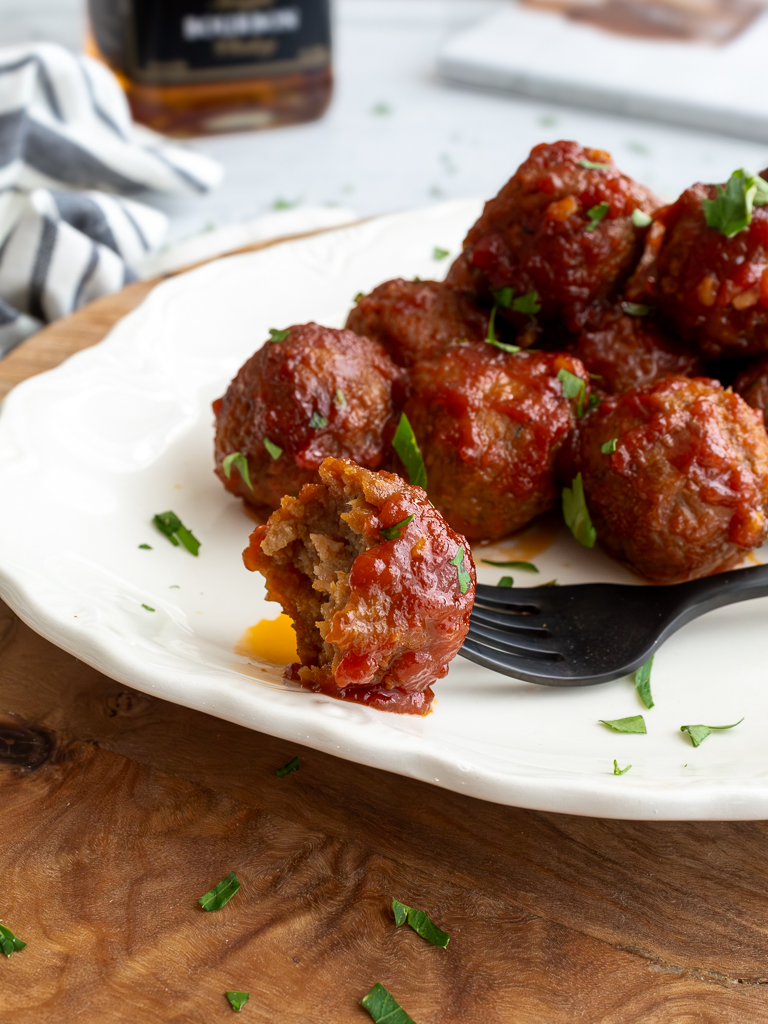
118,810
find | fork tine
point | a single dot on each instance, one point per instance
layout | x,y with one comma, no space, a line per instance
520,625
515,600
518,646
527,669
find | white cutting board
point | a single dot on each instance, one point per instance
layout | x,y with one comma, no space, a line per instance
535,53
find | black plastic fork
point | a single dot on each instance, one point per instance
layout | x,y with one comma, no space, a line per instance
591,632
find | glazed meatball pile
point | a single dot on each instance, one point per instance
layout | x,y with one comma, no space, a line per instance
585,333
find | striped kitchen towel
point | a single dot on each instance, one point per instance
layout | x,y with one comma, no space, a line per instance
66,141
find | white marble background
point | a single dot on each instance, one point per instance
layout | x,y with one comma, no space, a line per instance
434,141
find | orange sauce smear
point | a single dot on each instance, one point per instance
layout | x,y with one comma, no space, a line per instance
270,640
526,545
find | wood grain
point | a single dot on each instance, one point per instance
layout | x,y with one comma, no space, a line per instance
119,810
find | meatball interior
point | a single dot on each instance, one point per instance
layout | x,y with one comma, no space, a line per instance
377,620
415,320
714,289
490,425
684,492
317,393
623,352
561,227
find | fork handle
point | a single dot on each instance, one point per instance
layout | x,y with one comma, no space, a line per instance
695,598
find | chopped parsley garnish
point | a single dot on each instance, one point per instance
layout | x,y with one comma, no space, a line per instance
145,547
506,581
394,532
620,771
421,924
440,254
550,583
317,422
359,296
528,303
527,566
590,165
274,449
596,214
405,444
275,335
642,680
593,402
147,607
339,400
237,1000
635,723
383,1007
220,894
641,219
609,446
635,309
491,336
169,524
731,210
573,387
464,578
239,461
576,513
8,941
503,297
700,732
293,766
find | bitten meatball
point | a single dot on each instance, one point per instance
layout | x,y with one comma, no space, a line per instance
490,425
713,289
623,351
316,393
561,227
681,490
752,385
378,586
415,320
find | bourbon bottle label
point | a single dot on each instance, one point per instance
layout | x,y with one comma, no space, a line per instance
171,42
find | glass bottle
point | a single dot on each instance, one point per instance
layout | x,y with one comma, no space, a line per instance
192,67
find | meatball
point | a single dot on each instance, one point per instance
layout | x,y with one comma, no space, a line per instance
713,289
490,424
676,477
623,351
752,385
379,587
415,320
316,393
561,227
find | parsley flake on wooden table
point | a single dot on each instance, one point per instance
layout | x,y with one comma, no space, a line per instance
383,1007
237,1000
698,733
576,513
421,923
293,766
220,894
464,578
169,524
240,462
9,943
633,724
407,447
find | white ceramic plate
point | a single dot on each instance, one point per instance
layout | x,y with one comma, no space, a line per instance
92,450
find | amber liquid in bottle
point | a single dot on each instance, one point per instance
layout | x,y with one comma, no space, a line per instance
197,67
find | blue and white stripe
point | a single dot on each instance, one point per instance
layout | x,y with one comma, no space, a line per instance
65,126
